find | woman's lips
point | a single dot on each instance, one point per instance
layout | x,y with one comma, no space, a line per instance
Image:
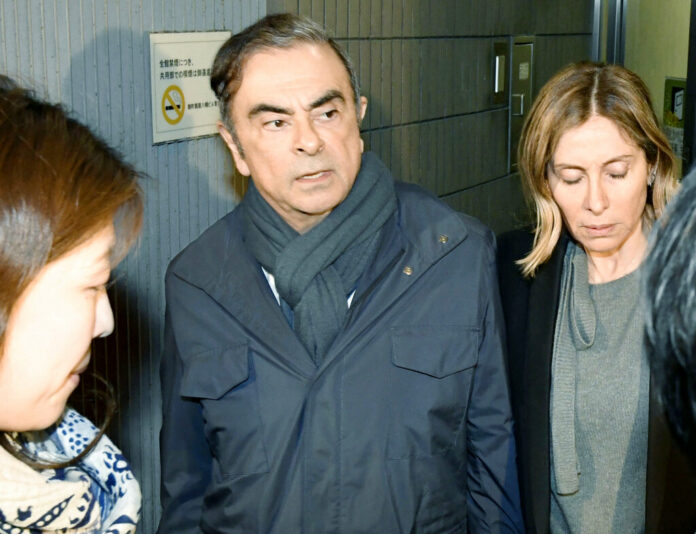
82,366
599,229
74,377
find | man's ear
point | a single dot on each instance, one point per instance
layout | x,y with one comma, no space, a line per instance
363,108
229,140
361,115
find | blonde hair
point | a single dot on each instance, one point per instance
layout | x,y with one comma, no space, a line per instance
573,95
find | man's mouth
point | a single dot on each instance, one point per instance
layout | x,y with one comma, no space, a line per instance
314,176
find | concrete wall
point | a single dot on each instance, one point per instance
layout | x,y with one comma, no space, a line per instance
426,67
657,42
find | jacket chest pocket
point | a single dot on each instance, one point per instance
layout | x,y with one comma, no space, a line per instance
223,381
429,386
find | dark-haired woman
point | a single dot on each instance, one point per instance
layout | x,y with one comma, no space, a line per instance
69,211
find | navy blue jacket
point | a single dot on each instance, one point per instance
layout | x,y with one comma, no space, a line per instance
404,427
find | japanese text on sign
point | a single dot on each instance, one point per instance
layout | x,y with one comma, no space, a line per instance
183,105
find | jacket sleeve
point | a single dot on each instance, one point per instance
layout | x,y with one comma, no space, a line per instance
493,492
185,455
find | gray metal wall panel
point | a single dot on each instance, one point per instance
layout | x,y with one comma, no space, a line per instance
492,17
342,20
317,12
330,16
553,52
438,77
554,17
427,149
409,17
353,18
499,202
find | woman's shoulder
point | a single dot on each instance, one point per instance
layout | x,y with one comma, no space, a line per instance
515,244
512,246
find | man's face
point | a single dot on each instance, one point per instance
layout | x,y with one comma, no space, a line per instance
295,119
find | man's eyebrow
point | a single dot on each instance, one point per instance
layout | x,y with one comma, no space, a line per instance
327,97
268,108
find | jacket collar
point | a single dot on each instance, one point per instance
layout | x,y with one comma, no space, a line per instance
219,264
418,234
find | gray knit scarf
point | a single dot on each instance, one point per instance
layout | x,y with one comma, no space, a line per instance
316,271
576,326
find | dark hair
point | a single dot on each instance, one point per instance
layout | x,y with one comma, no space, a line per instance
573,95
273,31
59,186
669,287
7,84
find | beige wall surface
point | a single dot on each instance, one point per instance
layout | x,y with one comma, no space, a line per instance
657,43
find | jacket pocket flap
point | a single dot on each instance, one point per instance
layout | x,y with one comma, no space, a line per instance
211,374
436,351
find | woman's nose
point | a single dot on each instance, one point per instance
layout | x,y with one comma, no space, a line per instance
104,317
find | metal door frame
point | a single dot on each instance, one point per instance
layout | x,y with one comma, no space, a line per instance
689,147
616,29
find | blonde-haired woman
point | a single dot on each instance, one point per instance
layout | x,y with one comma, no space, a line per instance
593,452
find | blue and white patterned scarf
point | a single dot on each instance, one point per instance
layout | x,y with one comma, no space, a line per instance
98,495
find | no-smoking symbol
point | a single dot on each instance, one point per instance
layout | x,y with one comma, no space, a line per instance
173,104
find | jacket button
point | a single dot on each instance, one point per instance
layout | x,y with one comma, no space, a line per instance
408,271
443,239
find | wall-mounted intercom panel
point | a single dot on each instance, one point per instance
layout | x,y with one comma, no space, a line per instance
521,79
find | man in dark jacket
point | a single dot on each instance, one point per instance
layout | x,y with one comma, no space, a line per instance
333,352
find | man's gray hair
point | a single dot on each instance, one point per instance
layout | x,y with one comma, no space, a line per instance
669,286
273,31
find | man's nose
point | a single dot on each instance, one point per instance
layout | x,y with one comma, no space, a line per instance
307,138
